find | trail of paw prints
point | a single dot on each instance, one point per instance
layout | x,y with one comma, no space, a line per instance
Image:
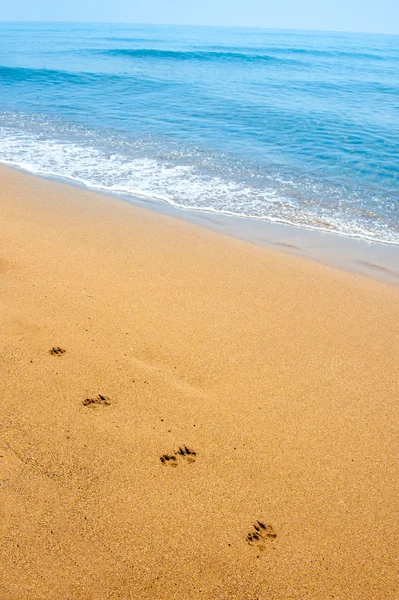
183,453
99,400
260,533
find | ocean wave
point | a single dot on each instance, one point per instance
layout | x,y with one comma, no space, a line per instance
248,55
194,55
21,74
18,75
281,126
187,187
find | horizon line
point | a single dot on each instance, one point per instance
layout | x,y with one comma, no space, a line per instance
343,31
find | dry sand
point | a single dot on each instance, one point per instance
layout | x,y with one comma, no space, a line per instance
280,374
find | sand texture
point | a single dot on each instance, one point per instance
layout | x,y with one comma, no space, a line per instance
187,416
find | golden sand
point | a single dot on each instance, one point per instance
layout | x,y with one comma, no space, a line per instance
187,416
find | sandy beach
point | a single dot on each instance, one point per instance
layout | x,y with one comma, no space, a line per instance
185,415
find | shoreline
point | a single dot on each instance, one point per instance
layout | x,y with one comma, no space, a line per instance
377,260
185,414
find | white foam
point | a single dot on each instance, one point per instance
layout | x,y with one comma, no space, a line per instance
180,185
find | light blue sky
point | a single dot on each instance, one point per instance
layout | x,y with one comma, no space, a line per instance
339,15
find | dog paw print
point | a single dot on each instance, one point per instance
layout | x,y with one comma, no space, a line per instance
169,459
260,532
183,453
57,351
99,400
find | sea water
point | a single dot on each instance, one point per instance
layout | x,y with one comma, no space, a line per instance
289,126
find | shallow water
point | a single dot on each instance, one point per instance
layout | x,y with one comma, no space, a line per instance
294,127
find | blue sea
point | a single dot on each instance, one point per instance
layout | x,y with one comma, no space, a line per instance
288,126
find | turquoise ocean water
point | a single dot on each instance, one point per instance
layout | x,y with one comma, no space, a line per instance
294,127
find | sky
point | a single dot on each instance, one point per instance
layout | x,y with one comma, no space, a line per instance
380,16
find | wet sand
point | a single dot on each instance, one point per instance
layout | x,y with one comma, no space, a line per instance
360,256
185,415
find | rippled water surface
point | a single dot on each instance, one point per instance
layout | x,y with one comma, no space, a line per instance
296,127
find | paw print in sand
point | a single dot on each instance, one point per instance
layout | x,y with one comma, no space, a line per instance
183,453
57,351
260,532
99,400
